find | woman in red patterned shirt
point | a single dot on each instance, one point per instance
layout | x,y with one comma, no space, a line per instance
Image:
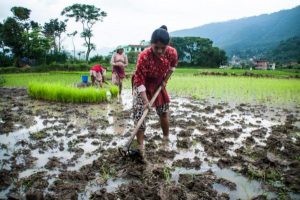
152,66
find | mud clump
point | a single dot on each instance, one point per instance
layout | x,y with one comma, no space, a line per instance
166,154
260,197
199,185
229,133
185,133
6,178
35,195
53,162
138,191
76,176
259,132
186,163
35,183
64,190
102,194
184,143
38,135
227,183
156,191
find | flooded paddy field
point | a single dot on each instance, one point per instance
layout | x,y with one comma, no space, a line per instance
216,151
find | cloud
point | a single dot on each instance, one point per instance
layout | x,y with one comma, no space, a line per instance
130,21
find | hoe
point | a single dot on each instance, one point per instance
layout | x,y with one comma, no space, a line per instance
125,150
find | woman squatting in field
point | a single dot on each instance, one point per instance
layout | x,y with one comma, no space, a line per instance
97,74
119,61
152,66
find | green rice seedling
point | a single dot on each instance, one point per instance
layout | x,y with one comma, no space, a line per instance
167,174
114,91
107,172
67,94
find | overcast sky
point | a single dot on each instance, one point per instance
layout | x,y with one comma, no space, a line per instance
130,21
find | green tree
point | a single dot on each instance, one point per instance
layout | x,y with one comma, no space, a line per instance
198,51
88,15
286,51
21,13
1,38
5,57
13,37
54,30
39,45
72,35
132,56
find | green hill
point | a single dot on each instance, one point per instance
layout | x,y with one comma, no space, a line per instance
252,35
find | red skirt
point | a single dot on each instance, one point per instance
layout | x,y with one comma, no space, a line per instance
119,70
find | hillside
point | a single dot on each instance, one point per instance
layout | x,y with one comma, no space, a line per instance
251,35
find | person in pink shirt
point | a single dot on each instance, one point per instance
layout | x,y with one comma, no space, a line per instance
118,61
97,74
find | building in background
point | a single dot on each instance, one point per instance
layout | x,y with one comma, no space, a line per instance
137,48
133,47
261,64
235,62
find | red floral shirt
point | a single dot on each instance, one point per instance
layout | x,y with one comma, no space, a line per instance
97,68
150,71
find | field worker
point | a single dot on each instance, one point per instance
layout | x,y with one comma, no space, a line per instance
118,61
152,65
97,74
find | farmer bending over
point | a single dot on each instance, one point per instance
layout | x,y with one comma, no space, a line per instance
97,73
152,66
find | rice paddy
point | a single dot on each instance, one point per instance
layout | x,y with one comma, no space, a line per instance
239,89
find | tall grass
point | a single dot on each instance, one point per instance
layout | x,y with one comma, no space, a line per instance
68,94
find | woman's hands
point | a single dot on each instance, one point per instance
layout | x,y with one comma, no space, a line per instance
120,64
145,101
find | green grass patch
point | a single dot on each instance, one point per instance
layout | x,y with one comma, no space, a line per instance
107,172
2,80
67,94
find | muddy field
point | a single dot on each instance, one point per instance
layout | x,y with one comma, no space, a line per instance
216,151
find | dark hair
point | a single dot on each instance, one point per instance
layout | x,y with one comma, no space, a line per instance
118,50
161,35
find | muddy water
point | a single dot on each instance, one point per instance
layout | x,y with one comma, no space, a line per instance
70,151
